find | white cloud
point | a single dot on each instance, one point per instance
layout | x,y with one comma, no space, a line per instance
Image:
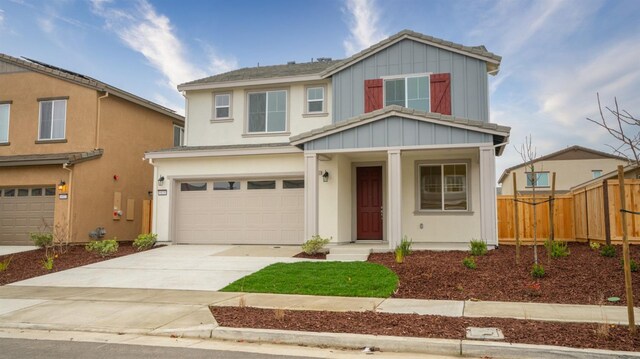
144,30
363,25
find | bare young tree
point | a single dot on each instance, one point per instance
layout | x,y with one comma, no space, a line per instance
624,127
528,154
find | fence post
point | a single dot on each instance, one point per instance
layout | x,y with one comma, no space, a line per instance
551,207
625,252
515,218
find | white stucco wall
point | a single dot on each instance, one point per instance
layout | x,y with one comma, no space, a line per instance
202,131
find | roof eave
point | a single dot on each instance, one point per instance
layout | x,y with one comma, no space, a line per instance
247,83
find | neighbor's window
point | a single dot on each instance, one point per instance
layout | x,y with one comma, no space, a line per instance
193,186
222,106
4,122
50,191
226,185
541,179
315,99
267,111
36,192
443,187
23,192
53,118
596,173
293,184
9,192
178,136
410,92
261,184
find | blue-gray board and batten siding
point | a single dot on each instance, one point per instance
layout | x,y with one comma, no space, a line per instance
397,131
469,83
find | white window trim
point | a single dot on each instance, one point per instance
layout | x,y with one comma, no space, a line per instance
64,130
214,117
418,190
266,118
536,173
323,100
405,77
181,134
8,104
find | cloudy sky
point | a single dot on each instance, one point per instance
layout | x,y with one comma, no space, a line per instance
556,54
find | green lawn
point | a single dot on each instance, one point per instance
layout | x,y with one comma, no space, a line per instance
348,279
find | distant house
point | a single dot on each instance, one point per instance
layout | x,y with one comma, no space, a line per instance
71,153
573,165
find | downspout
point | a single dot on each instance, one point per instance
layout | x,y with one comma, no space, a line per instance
106,94
70,199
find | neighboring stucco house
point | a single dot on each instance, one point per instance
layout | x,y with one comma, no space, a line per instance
392,141
71,153
573,165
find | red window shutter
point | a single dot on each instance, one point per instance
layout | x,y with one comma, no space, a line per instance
441,93
372,95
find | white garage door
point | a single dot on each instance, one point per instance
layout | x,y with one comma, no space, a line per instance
25,210
265,211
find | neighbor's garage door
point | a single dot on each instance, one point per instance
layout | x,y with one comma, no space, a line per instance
268,211
25,210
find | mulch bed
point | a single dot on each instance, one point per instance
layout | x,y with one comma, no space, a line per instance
25,265
578,335
584,277
311,256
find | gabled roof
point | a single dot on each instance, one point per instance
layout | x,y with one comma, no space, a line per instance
394,110
83,80
70,158
566,154
479,52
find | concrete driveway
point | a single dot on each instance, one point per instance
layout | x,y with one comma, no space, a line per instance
179,267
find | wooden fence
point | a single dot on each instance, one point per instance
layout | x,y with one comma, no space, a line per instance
147,207
588,213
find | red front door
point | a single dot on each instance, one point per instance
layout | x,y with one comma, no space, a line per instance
369,198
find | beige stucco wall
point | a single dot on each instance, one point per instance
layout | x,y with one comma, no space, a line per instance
201,131
569,173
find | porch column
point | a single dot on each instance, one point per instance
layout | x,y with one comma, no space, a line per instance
394,195
310,195
488,215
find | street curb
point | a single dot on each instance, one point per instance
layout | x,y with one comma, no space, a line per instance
198,331
533,351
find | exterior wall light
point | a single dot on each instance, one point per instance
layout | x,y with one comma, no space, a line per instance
325,176
161,181
62,186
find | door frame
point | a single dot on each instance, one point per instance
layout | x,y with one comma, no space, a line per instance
354,199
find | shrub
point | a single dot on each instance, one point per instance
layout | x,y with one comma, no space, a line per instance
594,245
478,247
469,262
608,250
145,241
315,244
537,271
104,248
47,263
405,246
42,240
632,264
4,265
557,249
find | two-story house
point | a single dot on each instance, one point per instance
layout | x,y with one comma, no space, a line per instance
71,153
392,141
573,165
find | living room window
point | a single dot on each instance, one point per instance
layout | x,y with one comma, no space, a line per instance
267,111
541,179
411,92
222,106
443,187
53,118
315,99
4,122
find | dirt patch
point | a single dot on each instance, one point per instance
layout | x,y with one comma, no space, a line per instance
311,256
584,277
25,265
576,335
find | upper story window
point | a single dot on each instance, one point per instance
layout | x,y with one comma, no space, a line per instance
315,99
541,179
410,92
53,118
222,106
267,111
596,173
4,122
178,136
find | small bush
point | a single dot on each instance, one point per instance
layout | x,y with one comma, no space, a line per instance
42,240
4,265
104,247
608,250
537,271
478,247
594,245
47,263
557,249
315,244
405,246
469,262
633,264
145,241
